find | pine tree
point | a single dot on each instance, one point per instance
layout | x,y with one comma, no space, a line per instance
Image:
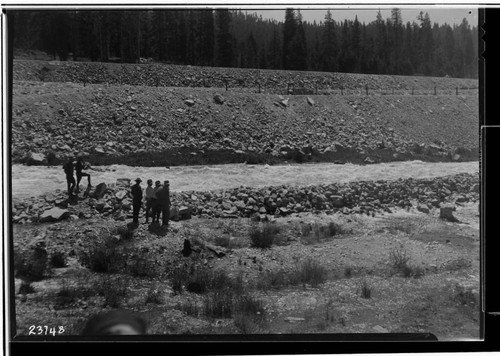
225,41
329,53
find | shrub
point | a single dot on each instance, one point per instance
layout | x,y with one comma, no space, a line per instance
31,267
399,259
348,271
103,257
264,237
366,291
58,260
125,232
218,304
141,267
309,272
26,288
190,308
177,277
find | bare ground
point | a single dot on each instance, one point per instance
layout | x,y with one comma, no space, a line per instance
443,300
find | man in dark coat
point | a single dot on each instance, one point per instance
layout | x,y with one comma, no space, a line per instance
136,199
70,179
79,167
164,200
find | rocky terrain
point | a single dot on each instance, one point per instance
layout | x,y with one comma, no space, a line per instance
173,124
347,256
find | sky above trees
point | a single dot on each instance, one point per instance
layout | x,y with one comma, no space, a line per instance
440,15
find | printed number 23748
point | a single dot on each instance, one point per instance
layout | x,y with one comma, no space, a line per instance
45,330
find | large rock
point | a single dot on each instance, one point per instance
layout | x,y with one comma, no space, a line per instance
446,213
54,214
218,99
36,159
185,212
337,201
121,194
100,190
123,182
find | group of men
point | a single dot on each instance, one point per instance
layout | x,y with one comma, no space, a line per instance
157,201
75,164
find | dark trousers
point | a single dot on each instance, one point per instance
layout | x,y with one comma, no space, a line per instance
71,184
156,212
165,214
79,178
149,208
136,209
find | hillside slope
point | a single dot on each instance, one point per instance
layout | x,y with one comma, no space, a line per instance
120,120
271,81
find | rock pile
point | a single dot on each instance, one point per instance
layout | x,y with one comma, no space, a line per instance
363,197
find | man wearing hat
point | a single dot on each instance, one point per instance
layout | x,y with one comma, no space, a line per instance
136,199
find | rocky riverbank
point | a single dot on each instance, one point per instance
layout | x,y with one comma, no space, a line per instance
113,200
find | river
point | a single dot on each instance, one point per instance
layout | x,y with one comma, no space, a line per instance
34,180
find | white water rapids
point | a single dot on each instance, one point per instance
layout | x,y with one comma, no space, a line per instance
34,180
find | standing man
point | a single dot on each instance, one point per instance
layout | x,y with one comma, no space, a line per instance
156,202
70,179
165,203
149,198
136,199
79,167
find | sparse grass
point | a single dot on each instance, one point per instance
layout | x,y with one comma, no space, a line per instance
125,232
223,241
190,308
457,264
218,304
140,266
200,280
264,236
463,295
271,280
403,225
154,296
317,232
113,290
70,294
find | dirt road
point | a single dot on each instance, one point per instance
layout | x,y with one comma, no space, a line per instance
34,180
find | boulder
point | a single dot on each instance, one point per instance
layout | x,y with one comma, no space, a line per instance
123,182
422,208
185,212
36,159
189,102
446,213
218,99
337,201
121,194
100,190
54,214
310,101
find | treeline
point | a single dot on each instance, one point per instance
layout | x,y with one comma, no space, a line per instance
227,38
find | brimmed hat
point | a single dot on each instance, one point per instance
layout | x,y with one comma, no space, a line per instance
138,180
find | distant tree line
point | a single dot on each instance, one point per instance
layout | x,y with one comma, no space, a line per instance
228,38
